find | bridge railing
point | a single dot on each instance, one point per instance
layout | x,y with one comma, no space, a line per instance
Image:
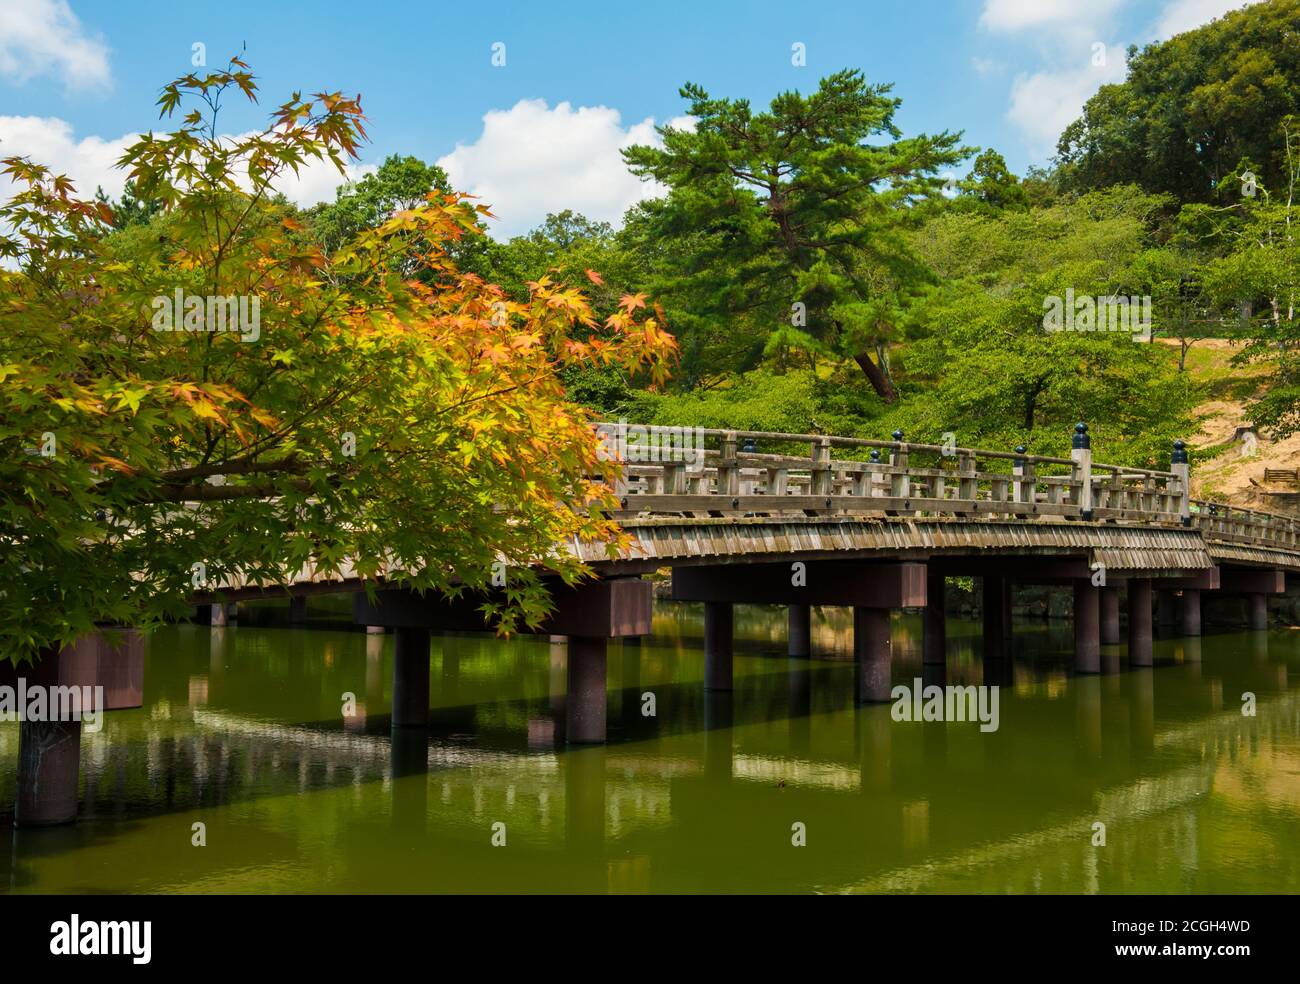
708,472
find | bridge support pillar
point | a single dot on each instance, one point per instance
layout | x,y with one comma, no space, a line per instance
871,654
1108,603
410,678
934,645
1139,622
217,615
1087,628
584,704
1166,614
1189,612
297,610
800,634
997,617
1257,608
718,637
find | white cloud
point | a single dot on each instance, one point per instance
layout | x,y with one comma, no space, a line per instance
1184,15
44,37
90,161
1016,15
1045,103
531,159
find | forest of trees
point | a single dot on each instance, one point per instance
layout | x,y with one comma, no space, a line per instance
817,270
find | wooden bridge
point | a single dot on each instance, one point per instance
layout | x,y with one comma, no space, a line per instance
802,520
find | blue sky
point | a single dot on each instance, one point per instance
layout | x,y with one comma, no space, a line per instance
77,78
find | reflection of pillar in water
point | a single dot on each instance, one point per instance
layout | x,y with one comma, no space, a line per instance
997,616
1110,660
719,720
556,678
934,630
999,671
936,675
799,704
374,670
584,802
1259,646
450,683
1087,698
409,761
49,760
875,740
718,636
219,642
934,741
630,706
1142,710
800,631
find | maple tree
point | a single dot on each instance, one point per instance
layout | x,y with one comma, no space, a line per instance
390,416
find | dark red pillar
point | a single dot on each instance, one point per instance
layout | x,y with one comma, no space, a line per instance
718,634
1108,601
1139,622
410,678
584,703
871,654
997,617
1257,607
1189,613
1087,628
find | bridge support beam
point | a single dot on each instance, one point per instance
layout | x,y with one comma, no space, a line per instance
217,615
1139,621
718,641
997,617
297,609
1257,607
1087,628
800,633
410,677
49,752
871,654
1108,603
934,645
584,703
1189,613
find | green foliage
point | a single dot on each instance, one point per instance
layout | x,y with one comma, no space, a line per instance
1192,108
802,205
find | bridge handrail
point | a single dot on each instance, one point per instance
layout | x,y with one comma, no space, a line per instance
736,478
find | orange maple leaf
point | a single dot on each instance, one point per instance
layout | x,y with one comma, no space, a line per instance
594,277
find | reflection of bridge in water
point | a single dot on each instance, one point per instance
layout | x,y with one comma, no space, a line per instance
1130,755
779,519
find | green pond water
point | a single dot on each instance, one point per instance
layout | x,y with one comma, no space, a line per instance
242,730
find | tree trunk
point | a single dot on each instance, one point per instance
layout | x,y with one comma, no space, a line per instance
879,381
